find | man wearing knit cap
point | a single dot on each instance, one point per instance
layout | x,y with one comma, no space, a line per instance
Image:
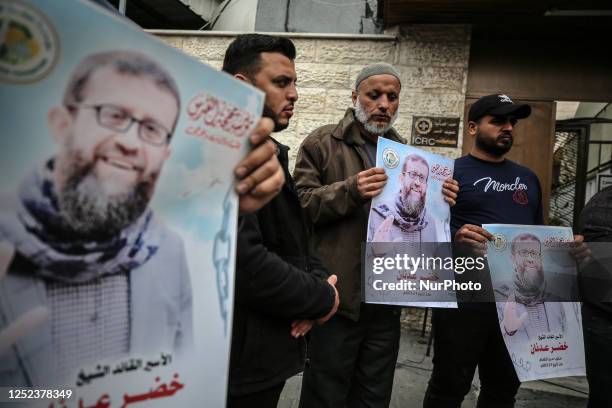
352,357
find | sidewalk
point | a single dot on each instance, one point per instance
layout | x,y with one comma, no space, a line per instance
413,369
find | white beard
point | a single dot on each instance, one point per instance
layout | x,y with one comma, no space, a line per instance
362,117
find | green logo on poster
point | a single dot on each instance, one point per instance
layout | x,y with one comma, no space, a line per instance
390,158
29,46
499,242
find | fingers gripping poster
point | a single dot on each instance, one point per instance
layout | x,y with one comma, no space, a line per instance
117,211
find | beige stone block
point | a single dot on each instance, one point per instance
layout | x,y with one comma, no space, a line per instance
175,41
403,125
310,100
206,48
306,49
432,103
355,51
322,75
338,100
434,54
438,78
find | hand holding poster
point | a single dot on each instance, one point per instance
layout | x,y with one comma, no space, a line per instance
117,210
409,218
532,271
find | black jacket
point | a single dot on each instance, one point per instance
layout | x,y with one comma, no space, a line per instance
277,281
596,226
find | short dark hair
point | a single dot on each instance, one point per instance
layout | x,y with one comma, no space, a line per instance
124,62
244,53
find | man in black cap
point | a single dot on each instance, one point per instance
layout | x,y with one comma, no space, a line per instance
492,189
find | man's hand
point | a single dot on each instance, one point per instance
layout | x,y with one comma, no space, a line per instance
512,322
260,174
475,236
332,280
370,182
299,328
27,322
383,232
580,250
450,188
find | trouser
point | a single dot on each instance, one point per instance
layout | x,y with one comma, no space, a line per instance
267,398
463,339
351,364
597,326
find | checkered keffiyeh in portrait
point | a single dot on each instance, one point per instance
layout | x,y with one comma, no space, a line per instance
87,280
42,236
89,321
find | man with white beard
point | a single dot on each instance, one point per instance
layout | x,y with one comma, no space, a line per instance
352,357
525,314
406,219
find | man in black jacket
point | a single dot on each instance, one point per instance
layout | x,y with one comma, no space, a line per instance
596,226
280,287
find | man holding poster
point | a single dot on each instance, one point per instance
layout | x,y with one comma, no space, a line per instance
353,355
493,189
461,336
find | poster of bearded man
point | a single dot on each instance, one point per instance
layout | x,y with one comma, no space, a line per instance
118,215
534,280
410,217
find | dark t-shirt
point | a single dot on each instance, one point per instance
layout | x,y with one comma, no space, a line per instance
495,193
492,193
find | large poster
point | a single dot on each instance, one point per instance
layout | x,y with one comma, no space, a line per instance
409,219
117,211
532,272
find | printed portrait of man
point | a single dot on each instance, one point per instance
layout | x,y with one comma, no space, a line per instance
406,218
93,274
529,310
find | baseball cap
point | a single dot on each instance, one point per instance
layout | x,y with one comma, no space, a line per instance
499,105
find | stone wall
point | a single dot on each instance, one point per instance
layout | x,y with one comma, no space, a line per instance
432,60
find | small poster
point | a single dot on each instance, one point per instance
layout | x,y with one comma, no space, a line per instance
533,276
117,210
410,221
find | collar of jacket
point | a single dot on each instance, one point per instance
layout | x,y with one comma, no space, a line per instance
348,131
282,152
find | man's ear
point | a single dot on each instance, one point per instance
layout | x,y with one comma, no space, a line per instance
60,123
243,78
472,128
354,96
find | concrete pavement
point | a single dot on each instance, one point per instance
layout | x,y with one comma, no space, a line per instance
414,368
